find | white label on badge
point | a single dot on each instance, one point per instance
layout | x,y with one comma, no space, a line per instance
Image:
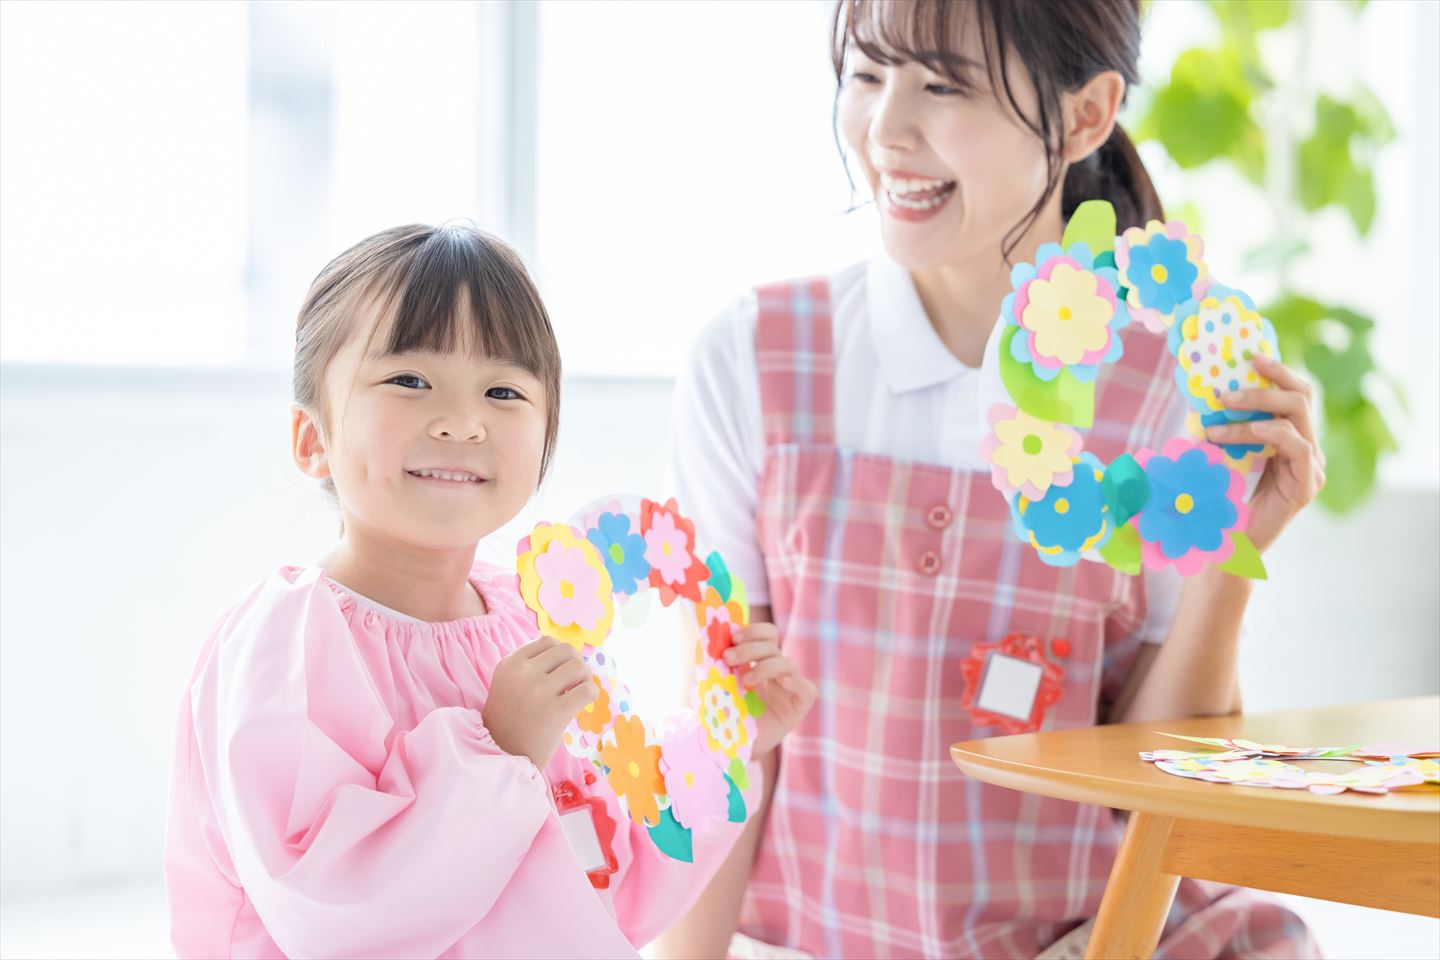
579,825
1009,686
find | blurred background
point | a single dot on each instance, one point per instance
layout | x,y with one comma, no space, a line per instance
173,175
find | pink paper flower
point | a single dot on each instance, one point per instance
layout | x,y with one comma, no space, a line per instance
697,788
568,587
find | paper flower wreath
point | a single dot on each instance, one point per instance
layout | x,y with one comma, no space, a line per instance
1182,506
671,779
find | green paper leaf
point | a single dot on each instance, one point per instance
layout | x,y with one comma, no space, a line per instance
754,704
1122,550
1245,561
736,772
1062,400
736,800
1126,488
1093,224
672,839
740,596
719,575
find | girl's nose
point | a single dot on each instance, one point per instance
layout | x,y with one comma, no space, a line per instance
464,430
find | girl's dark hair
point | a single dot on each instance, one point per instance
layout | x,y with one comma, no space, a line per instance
1062,44
449,288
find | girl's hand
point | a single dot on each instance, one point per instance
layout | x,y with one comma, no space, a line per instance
1292,477
533,694
763,668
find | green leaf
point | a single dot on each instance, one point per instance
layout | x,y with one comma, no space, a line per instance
1203,112
1126,488
1251,15
1340,371
1122,550
1062,400
1359,198
754,704
736,772
1294,317
1352,442
1245,560
673,840
735,801
1093,224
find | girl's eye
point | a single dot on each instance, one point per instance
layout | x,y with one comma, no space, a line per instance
410,380
503,393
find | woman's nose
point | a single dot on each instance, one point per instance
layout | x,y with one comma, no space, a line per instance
892,125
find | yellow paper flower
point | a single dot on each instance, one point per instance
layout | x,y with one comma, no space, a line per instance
723,713
1028,454
1068,315
564,581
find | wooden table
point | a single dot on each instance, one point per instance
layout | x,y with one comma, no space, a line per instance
1376,851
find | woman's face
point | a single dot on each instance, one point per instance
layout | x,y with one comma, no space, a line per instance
952,172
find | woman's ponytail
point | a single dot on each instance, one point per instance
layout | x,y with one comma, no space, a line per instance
1115,173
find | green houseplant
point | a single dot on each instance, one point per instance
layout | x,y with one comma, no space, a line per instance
1219,106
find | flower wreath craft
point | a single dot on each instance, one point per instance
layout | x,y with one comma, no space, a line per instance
1182,506
616,554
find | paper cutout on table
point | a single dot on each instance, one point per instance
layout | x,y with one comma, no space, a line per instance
1372,751
1066,317
1249,770
618,553
1011,684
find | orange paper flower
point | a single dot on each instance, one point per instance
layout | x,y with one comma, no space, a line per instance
634,770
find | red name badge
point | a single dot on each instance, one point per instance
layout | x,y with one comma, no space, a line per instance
589,829
1011,684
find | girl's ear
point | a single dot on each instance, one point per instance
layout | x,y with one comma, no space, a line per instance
1090,114
306,443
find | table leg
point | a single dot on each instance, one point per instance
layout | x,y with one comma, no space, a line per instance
1137,898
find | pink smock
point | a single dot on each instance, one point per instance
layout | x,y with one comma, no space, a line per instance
335,793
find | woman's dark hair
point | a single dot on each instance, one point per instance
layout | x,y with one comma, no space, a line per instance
1062,44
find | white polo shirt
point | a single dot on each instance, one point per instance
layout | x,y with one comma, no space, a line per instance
899,393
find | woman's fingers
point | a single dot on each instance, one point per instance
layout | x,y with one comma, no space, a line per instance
768,669
1289,404
1283,376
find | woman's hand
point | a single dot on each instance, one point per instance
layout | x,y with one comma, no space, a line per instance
1294,476
788,697
533,694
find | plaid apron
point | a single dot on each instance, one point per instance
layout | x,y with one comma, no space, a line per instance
885,577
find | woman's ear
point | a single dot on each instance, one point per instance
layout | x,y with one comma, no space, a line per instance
307,445
1090,114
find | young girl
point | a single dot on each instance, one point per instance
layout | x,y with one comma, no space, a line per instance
829,431
366,760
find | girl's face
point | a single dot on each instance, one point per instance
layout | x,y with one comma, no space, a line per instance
952,172
435,450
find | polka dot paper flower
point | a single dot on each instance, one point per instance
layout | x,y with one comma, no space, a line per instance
634,770
675,570
724,717
1067,312
563,577
1027,454
622,550
586,730
1068,520
1215,339
1195,502
696,785
1162,265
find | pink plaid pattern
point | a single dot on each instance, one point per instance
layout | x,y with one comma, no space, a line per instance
882,574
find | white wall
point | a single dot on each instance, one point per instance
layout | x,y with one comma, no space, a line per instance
134,506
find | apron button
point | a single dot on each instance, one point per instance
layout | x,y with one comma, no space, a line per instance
929,563
939,517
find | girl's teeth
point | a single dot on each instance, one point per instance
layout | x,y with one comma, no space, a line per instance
447,475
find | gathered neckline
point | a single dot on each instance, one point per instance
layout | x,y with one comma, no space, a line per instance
348,600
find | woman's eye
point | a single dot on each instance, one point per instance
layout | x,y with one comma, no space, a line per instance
943,90
861,76
410,380
503,393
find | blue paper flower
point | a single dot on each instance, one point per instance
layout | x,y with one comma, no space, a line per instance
1068,520
1162,273
1195,500
622,551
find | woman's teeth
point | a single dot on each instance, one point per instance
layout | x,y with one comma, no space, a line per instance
446,475
915,194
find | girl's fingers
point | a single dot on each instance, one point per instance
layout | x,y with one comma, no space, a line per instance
580,695
751,650
768,669
1283,376
557,656
568,675
536,647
